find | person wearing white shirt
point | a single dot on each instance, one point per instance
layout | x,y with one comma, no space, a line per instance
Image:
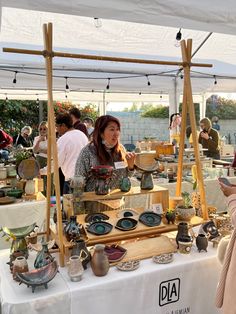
69,145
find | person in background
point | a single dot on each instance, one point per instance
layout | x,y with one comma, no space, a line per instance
215,123
40,144
5,141
209,138
24,137
89,125
225,294
77,124
70,144
105,149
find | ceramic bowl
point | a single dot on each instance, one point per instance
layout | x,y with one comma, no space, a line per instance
96,217
163,258
21,232
127,212
15,193
115,253
39,277
128,266
150,219
7,200
99,228
102,171
126,224
185,214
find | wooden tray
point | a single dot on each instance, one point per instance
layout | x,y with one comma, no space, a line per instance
147,248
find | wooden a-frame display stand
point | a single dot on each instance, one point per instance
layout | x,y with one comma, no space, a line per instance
48,54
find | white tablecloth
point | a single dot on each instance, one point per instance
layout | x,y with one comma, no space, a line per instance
185,286
22,214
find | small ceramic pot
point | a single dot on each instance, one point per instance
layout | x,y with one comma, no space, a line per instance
170,216
185,245
80,249
75,268
125,184
100,262
182,232
72,229
185,214
201,242
147,181
3,173
19,266
30,187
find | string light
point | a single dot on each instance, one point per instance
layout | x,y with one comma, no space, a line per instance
178,38
37,100
92,91
6,98
140,93
97,22
67,85
215,82
181,76
108,84
14,80
148,82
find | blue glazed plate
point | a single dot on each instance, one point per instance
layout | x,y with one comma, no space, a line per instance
126,224
150,219
99,228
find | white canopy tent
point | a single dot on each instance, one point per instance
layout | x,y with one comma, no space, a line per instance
22,28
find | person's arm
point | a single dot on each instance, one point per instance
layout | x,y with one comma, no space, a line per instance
213,141
62,151
230,192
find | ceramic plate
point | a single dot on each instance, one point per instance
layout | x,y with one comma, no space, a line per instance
99,228
115,253
163,258
127,212
7,200
28,169
96,217
128,266
150,219
126,224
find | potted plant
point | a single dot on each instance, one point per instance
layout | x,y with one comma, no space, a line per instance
185,211
170,216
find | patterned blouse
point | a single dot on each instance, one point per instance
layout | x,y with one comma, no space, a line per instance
88,158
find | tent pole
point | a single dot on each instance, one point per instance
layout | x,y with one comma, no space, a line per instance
47,30
49,177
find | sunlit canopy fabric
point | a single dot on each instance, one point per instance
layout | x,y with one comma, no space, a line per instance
22,28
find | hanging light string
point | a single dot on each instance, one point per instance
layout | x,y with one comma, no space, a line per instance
148,82
67,88
14,79
108,83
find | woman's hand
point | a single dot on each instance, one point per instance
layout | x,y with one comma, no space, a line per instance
204,135
130,157
227,190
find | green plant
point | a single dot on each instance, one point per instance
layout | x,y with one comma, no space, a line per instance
21,154
186,199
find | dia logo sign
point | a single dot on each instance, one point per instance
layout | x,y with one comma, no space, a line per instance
169,291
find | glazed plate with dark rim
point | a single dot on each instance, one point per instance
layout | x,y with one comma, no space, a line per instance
99,228
96,217
126,224
127,212
115,253
150,219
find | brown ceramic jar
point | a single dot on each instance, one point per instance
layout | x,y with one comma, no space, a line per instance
100,262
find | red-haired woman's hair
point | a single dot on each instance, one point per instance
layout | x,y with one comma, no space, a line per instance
103,155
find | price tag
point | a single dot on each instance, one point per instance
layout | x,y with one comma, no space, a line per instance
119,165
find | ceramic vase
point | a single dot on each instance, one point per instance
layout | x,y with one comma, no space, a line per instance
185,214
19,266
72,229
182,231
75,268
147,181
185,245
201,242
3,173
30,187
80,249
43,257
100,262
125,184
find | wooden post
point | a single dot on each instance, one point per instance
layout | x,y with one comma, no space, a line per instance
186,53
48,60
49,178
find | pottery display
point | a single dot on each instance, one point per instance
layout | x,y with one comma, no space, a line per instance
75,268
128,266
43,257
20,265
39,277
163,258
201,242
103,175
185,214
99,228
127,212
28,169
147,181
126,224
182,231
115,253
72,229
15,193
79,248
185,244
96,217
125,184
99,262
170,216
150,219
18,238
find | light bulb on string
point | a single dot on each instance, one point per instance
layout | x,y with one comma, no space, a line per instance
148,82
37,100
92,90
97,22
215,82
108,84
178,38
66,95
14,79
181,76
6,99
140,93
67,89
